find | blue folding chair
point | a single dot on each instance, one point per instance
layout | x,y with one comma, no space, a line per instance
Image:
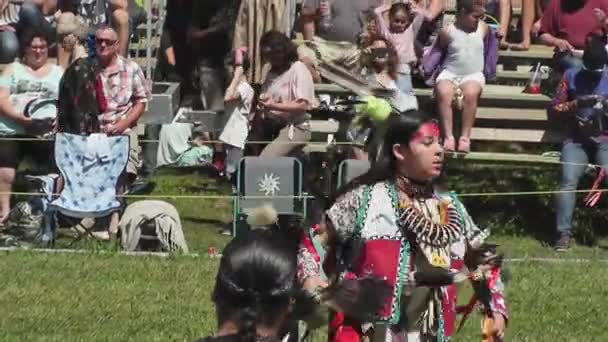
91,167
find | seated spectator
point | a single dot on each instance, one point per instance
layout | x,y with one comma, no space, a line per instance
335,32
401,30
95,13
254,19
581,89
124,88
501,11
462,72
21,82
565,26
287,94
72,36
15,18
381,66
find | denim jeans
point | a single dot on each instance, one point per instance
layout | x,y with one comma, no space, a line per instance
578,154
29,16
567,61
404,83
9,46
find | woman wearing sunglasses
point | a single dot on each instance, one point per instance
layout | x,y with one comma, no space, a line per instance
382,66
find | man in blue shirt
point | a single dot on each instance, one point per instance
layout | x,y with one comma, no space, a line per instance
578,103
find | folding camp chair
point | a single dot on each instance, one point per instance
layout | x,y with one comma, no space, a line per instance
277,181
350,169
91,167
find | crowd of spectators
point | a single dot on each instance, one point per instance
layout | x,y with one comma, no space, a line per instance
222,51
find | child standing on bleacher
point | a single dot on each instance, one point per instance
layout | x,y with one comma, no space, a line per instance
462,76
401,30
238,98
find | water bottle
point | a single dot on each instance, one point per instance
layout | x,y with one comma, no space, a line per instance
325,23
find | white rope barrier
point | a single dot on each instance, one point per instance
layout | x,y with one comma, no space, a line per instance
244,197
219,255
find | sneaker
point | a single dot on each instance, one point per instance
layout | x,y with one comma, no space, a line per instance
562,244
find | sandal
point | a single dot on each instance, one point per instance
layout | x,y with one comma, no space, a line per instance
449,145
464,145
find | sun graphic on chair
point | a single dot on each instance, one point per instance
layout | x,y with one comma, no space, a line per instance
269,184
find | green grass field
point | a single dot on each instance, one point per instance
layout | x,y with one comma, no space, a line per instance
111,297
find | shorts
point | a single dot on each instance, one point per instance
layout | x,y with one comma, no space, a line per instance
12,153
320,50
446,75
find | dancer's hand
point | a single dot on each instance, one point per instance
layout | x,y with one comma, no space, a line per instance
313,282
499,326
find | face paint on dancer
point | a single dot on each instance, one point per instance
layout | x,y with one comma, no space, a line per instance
422,158
427,133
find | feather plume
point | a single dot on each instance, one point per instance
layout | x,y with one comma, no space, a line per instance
262,216
357,298
360,299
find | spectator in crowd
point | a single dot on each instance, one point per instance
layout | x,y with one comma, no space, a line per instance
334,29
72,36
382,67
174,64
31,78
96,13
401,30
565,26
501,10
211,27
463,71
212,23
528,27
581,88
287,94
124,89
433,22
239,99
255,287
15,17
254,19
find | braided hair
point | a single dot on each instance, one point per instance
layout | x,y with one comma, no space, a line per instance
255,281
